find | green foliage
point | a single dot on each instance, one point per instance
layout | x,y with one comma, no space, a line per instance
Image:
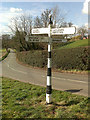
74,58
33,58
3,57
64,59
23,100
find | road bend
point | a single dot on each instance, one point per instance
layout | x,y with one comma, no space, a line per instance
75,83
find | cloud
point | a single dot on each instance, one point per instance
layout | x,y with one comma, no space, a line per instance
86,25
75,26
4,29
6,14
86,5
13,10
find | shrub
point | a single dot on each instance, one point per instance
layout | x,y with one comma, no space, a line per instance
33,58
74,58
65,59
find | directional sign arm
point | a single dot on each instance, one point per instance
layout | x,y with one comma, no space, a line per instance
37,39
40,31
64,31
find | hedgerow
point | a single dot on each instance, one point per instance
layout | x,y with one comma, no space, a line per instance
65,59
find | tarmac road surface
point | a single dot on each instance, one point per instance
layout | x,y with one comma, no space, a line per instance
74,83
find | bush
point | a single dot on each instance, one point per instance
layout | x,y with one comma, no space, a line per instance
65,59
34,58
74,58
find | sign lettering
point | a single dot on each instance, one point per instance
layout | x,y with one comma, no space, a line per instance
63,31
40,31
55,31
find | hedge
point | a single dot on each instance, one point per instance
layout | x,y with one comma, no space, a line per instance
65,59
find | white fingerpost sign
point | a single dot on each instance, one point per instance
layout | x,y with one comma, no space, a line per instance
55,31
63,31
40,31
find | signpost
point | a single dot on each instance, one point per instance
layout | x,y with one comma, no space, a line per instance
50,32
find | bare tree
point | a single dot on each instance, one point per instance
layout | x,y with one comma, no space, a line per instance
43,20
21,23
38,22
58,16
82,30
45,17
21,26
64,24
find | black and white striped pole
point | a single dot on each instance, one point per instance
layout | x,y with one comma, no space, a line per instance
50,31
49,85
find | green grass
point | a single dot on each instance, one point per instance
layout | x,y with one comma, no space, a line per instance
23,100
78,43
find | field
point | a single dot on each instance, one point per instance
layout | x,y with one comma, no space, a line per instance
23,100
78,43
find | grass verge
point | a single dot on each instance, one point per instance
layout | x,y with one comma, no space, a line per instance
23,100
4,56
78,43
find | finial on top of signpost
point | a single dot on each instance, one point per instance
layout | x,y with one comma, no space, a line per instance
50,18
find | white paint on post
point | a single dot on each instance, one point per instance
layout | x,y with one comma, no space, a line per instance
48,80
49,63
48,98
49,47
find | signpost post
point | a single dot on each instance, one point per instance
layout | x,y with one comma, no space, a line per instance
49,73
49,31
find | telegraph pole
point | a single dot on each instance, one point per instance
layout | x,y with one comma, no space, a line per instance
49,72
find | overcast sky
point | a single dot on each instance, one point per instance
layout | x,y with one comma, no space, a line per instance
76,12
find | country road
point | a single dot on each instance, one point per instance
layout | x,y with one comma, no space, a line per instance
74,83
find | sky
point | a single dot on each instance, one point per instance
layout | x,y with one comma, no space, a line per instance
75,12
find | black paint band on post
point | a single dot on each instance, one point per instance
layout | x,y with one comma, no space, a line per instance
49,89
49,72
49,54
